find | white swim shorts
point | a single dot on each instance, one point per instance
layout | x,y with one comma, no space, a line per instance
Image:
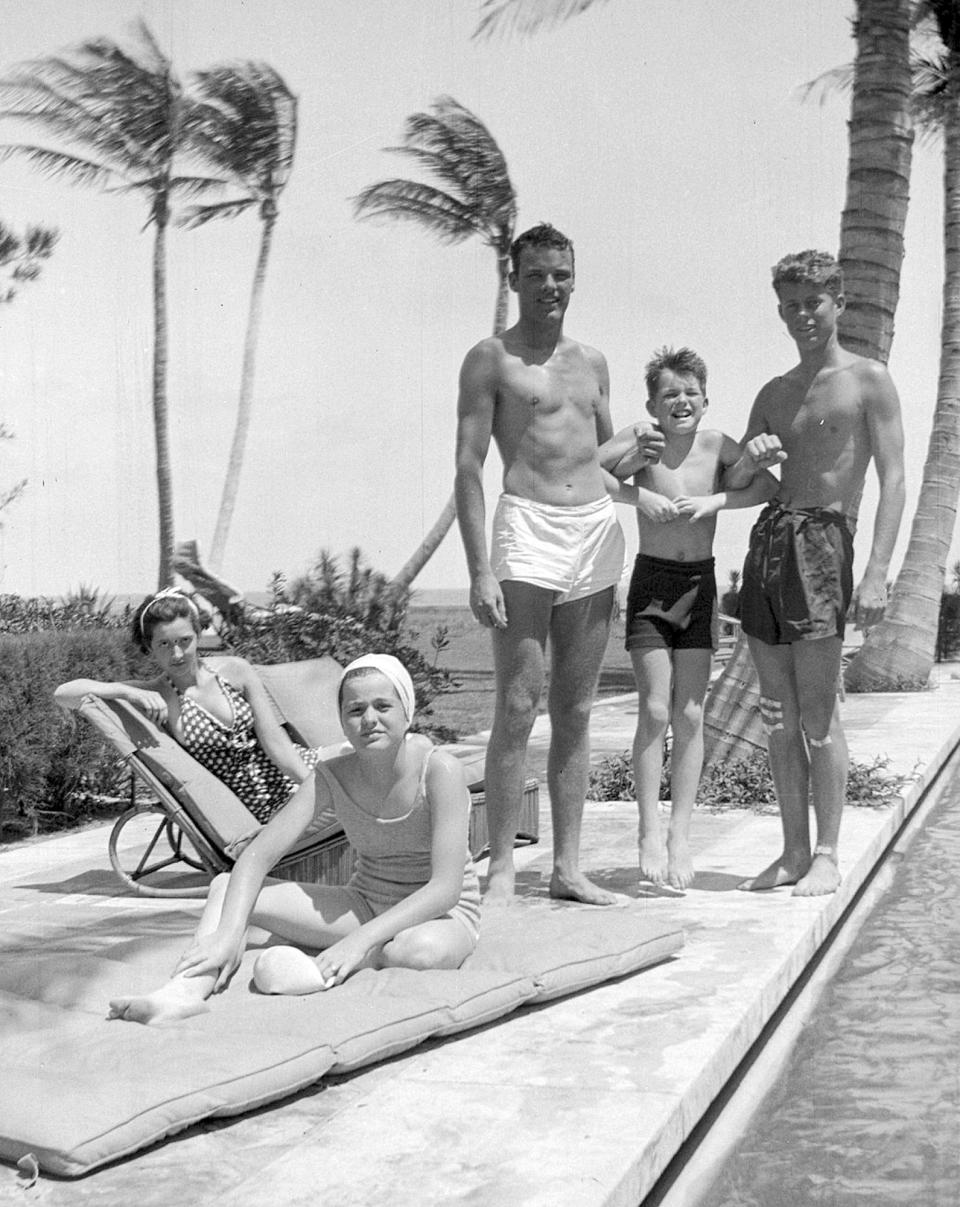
575,551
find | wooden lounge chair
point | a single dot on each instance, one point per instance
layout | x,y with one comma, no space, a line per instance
198,816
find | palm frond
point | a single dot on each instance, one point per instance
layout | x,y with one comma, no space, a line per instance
198,215
446,217
453,145
58,164
935,87
243,122
527,16
837,79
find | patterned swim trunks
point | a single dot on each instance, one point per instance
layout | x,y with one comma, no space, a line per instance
798,575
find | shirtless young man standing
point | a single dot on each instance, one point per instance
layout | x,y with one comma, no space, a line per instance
557,549
824,420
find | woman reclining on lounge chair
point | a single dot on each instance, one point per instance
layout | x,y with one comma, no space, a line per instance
223,717
414,900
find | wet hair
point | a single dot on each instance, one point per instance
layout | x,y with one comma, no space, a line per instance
542,235
678,360
162,608
809,267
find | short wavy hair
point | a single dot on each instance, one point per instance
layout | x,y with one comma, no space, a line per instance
542,235
678,360
809,267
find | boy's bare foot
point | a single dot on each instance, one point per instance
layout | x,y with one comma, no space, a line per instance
782,871
680,870
576,887
172,1002
653,859
501,885
822,877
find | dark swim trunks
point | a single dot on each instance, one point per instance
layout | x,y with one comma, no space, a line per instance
798,575
672,605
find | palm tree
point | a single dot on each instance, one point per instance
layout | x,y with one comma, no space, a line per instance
243,126
458,149
23,255
898,653
878,176
123,110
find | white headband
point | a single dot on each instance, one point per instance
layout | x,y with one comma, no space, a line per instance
392,669
167,593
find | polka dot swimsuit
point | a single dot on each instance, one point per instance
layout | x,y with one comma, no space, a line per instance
233,753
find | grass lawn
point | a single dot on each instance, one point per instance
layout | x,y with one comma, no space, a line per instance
469,708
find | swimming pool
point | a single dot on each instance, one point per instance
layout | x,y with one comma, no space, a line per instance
867,1110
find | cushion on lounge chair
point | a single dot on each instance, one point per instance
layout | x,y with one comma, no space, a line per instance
305,696
79,1091
211,805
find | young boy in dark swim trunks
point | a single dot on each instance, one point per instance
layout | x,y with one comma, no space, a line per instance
824,420
672,601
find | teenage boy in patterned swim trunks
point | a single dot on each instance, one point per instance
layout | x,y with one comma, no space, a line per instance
671,621
557,548
823,422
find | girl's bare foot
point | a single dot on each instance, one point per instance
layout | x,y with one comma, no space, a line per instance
176,1000
287,970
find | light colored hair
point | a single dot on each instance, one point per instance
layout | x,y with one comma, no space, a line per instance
677,360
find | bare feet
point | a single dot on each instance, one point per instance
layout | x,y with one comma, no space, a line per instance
501,884
576,887
782,871
172,1002
680,870
823,877
653,858
287,970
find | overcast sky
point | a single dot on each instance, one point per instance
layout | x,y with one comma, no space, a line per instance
665,137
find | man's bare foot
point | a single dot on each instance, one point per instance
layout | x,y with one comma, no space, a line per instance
823,877
576,887
782,871
172,1002
653,859
680,870
501,885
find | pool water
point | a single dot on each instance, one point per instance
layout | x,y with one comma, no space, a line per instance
868,1109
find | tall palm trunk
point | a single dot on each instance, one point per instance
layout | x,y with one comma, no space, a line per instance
878,177
432,541
241,429
160,417
899,652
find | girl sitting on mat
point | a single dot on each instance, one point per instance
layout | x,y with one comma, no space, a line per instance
223,717
414,899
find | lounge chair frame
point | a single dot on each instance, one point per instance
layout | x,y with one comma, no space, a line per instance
198,816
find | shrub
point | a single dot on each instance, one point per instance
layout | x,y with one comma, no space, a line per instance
54,772
343,614
743,783
948,628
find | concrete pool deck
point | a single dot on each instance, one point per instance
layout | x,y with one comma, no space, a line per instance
583,1101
